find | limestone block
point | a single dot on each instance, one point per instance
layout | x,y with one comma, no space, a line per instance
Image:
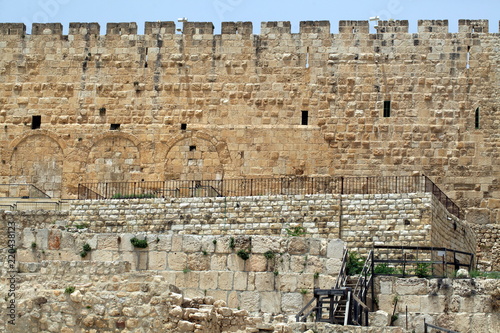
250,301
28,238
335,249
264,281
297,245
124,242
191,243
233,300
177,261
478,216
270,302
235,263
262,244
257,263
225,281
291,302
208,280
107,242
42,239
379,318
157,260
240,280
99,255
198,262
333,266
177,243
412,286
218,262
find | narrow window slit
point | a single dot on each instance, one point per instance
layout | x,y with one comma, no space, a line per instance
36,122
468,57
387,109
305,118
114,127
476,119
307,58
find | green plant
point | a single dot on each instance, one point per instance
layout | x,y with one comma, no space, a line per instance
394,317
304,291
243,254
488,275
296,231
316,275
232,243
204,252
88,307
354,263
33,245
276,273
140,243
82,226
384,269
422,270
83,254
214,242
69,290
186,270
86,247
269,255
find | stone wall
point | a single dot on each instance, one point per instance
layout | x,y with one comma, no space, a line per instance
462,305
360,220
275,278
246,104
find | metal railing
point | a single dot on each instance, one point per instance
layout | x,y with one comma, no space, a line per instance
266,186
428,326
21,191
403,261
443,198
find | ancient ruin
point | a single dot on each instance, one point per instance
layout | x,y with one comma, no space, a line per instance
350,138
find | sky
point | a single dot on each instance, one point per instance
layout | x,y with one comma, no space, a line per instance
257,11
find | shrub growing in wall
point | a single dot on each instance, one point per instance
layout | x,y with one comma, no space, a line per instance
139,243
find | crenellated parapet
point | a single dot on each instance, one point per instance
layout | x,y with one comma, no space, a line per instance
321,28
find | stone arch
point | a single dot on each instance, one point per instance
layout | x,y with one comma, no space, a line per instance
37,158
195,156
113,158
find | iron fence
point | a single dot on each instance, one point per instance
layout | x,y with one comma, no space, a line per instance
403,261
265,186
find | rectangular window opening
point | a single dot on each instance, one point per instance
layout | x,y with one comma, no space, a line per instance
305,118
387,109
102,112
114,127
36,122
183,127
476,119
192,148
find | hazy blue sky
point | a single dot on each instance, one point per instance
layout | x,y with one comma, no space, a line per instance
217,11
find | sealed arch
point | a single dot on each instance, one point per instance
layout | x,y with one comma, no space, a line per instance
38,160
193,158
113,159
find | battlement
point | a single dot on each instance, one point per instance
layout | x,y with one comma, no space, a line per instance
246,28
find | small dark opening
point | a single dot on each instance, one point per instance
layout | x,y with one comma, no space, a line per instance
387,108
114,127
102,112
476,119
36,121
192,148
184,127
305,118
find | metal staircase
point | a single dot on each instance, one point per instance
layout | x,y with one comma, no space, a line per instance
345,303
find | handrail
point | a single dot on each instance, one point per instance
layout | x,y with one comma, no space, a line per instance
428,260
342,277
278,186
301,316
437,328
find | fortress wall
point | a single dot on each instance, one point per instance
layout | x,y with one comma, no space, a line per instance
241,97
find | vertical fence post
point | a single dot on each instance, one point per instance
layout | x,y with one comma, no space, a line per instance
342,185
